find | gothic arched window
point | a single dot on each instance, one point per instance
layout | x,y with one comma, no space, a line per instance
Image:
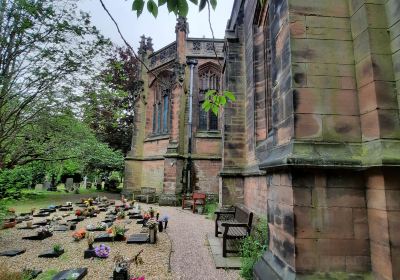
161,106
209,79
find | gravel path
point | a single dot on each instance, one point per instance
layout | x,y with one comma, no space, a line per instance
191,258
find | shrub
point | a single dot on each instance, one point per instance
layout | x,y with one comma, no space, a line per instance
253,248
210,209
12,181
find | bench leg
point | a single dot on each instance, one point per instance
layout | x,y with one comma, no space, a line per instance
216,228
224,247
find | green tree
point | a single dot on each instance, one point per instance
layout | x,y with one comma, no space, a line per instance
108,102
47,47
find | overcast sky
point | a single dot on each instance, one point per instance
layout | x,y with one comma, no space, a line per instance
161,29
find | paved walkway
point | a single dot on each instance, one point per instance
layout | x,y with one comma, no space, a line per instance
191,259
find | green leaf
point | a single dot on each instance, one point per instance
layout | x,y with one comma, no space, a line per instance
202,4
194,1
210,92
137,6
215,110
222,100
213,4
183,8
229,95
152,8
172,6
161,2
206,106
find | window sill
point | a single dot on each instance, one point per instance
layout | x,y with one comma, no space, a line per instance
209,134
156,137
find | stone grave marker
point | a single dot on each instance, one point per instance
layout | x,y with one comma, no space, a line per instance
39,187
139,238
12,253
51,254
71,274
69,184
47,186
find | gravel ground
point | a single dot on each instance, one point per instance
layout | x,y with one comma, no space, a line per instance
186,233
191,258
155,257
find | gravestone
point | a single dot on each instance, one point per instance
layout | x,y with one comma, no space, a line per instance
38,236
12,253
51,254
61,228
138,238
71,274
39,187
69,184
47,186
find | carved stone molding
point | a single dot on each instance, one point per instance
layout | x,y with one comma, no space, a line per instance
181,25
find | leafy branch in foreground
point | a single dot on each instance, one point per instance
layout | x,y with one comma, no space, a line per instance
216,99
178,7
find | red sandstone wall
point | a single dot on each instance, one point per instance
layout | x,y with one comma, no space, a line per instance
255,194
204,146
155,148
153,174
207,179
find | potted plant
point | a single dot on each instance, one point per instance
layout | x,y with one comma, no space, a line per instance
90,252
58,250
152,225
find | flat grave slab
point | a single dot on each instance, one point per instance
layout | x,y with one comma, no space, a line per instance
50,210
105,237
138,238
37,237
51,254
41,223
66,208
61,228
42,214
79,219
12,253
71,274
32,227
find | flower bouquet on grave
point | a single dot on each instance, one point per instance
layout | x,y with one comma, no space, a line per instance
138,278
79,234
45,231
121,215
117,232
102,251
78,213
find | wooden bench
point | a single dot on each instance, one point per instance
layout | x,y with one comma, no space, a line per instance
193,200
234,224
147,195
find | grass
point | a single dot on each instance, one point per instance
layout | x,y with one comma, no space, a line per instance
210,209
40,199
47,275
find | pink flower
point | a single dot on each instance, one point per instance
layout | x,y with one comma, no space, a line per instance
138,278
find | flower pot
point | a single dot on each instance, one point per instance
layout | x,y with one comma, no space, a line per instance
160,226
153,235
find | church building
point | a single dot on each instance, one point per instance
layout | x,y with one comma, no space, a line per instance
312,142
